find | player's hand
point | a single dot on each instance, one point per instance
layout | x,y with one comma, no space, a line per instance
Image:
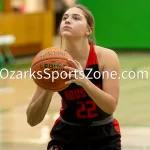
76,74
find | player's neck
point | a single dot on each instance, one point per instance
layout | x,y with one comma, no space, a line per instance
78,49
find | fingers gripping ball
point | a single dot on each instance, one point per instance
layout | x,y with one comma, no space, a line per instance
48,69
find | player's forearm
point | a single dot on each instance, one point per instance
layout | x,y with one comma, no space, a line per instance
103,100
37,110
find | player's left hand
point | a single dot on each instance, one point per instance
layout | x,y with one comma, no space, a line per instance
76,74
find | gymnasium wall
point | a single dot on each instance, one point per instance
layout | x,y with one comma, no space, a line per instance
121,24
32,29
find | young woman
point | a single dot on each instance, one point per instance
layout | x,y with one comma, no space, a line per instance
86,119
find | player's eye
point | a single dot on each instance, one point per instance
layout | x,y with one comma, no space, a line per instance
76,18
64,18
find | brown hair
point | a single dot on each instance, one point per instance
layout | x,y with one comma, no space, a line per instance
90,21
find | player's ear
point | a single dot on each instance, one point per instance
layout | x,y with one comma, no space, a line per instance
89,31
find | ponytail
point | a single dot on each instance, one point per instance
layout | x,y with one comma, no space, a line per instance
91,42
92,39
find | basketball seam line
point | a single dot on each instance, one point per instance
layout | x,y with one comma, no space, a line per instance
46,59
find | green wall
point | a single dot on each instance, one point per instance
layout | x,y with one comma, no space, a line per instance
121,24
1,5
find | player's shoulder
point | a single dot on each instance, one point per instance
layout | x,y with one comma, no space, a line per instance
105,53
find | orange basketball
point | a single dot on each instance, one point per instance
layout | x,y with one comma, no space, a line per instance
48,69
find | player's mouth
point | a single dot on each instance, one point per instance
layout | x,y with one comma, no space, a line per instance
66,27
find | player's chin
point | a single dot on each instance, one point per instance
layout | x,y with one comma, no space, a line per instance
67,34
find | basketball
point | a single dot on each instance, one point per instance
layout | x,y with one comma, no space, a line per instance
48,69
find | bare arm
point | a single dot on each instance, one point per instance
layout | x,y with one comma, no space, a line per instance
106,99
38,106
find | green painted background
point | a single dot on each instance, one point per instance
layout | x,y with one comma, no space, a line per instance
121,24
1,5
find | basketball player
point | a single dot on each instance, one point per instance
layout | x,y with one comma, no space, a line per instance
86,119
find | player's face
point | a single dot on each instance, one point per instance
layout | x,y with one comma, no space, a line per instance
73,23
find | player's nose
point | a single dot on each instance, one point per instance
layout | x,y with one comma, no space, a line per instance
68,21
